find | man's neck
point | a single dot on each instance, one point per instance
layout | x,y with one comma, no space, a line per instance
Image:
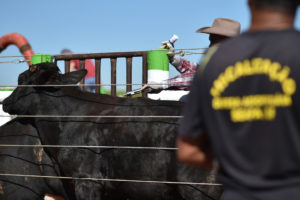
271,20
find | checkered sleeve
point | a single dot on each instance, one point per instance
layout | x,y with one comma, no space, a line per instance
182,65
187,70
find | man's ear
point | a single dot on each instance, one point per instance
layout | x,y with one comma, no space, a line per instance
74,77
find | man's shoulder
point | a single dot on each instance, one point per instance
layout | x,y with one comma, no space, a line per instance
259,42
270,44
265,36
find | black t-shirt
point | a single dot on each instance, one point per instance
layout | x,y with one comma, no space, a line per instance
247,100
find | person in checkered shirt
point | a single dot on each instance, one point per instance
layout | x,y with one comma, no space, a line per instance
221,29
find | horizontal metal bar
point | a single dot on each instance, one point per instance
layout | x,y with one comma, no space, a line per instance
100,55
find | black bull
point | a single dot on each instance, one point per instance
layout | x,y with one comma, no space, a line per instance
113,163
21,160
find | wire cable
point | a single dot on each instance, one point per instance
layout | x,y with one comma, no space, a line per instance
71,85
112,180
14,61
94,116
78,85
91,147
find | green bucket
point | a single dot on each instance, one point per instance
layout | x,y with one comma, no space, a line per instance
158,65
41,58
5,89
158,59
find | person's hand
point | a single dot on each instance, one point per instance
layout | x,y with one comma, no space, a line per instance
169,46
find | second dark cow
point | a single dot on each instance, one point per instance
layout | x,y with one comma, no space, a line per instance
25,161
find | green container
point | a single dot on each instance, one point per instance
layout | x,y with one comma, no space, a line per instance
5,89
41,58
158,59
102,91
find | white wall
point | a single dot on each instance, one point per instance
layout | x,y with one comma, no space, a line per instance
174,95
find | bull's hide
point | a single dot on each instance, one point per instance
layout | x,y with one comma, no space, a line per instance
113,163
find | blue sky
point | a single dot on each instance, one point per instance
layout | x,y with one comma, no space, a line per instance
111,25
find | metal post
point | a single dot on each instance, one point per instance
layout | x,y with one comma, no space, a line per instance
98,74
67,66
128,74
145,72
82,66
113,62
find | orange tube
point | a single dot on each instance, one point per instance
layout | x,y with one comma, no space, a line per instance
20,41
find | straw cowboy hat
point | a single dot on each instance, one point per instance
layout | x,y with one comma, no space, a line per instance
222,26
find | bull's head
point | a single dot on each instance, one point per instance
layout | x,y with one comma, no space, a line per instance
24,100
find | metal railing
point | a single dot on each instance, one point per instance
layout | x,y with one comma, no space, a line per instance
113,56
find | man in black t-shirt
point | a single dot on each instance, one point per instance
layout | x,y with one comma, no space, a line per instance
244,108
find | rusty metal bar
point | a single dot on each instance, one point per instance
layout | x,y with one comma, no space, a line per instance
67,66
98,73
145,72
82,63
129,74
113,62
82,66
100,55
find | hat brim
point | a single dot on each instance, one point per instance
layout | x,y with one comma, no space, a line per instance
217,31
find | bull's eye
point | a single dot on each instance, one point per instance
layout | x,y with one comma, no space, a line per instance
33,68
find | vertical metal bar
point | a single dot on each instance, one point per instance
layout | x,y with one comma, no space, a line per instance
128,74
113,62
82,66
145,72
98,74
55,62
67,66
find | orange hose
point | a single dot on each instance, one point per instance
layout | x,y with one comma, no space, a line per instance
20,41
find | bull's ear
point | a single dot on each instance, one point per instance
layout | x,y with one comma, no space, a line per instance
74,77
